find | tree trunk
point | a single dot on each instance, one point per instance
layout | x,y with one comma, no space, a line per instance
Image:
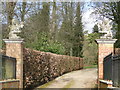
10,11
23,11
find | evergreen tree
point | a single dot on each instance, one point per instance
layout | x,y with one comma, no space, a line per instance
66,30
53,23
35,27
45,17
78,33
95,29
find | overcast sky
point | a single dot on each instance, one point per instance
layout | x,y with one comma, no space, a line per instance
87,18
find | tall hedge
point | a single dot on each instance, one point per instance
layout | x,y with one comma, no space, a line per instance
41,67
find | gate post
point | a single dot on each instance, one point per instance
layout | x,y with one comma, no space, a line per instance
14,48
105,47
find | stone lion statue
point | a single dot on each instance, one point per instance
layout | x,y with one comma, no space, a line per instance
15,28
105,28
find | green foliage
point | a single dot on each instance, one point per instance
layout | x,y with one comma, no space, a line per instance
44,45
90,49
56,48
71,31
78,34
95,29
66,31
92,66
42,31
91,37
36,33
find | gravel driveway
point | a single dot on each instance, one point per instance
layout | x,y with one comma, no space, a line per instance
85,78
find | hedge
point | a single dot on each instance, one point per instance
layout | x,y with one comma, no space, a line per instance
41,67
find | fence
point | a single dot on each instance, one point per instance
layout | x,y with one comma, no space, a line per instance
107,67
111,69
7,67
116,71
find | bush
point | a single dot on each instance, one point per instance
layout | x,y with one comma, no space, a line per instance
48,46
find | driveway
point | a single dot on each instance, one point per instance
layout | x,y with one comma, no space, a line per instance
85,78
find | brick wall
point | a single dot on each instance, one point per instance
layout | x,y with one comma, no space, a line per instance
41,67
14,48
104,50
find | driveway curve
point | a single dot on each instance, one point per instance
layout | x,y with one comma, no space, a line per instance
85,78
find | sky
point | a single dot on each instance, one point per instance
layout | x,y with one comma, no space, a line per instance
87,18
88,21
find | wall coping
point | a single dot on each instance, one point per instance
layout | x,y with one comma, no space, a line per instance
10,80
13,40
106,41
106,82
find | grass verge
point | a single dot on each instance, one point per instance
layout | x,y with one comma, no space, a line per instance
92,66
